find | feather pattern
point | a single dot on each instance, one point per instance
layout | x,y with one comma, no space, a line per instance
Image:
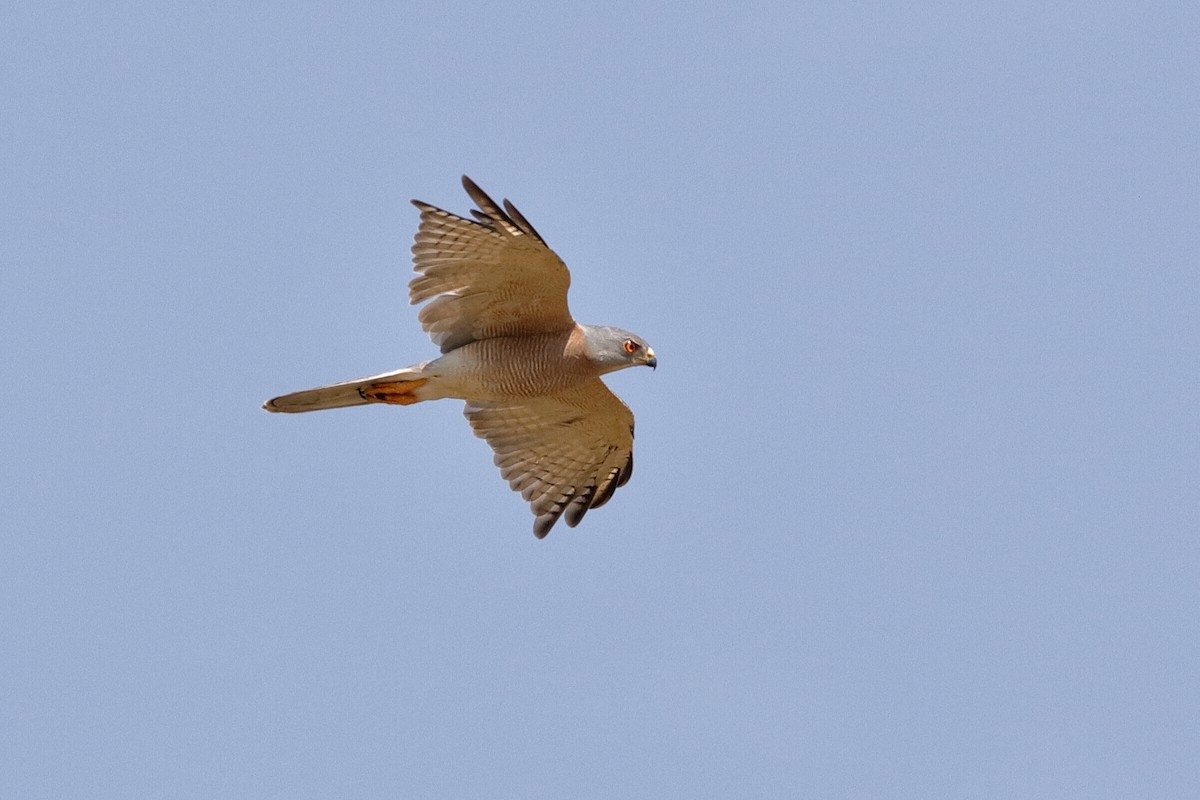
484,278
565,453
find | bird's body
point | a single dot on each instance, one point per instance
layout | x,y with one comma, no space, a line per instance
495,370
495,299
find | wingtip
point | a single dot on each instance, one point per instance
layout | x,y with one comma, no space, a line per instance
543,524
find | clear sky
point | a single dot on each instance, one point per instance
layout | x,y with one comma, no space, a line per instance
917,494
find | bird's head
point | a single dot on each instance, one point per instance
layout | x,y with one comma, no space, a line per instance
612,348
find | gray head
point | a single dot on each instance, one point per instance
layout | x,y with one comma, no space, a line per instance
612,348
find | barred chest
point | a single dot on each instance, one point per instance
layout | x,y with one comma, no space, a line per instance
511,367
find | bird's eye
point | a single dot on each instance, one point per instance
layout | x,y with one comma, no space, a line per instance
631,346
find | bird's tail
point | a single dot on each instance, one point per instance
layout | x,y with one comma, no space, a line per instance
401,387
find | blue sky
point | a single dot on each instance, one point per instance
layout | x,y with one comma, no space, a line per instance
916,501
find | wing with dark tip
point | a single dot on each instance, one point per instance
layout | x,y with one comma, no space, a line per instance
488,277
565,453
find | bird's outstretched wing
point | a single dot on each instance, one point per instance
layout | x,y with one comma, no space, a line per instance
564,453
490,277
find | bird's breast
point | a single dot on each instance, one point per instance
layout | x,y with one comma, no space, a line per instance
513,367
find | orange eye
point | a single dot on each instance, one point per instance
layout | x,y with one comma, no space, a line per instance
631,346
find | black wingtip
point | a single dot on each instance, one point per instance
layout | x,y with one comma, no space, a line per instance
522,223
543,524
486,204
579,506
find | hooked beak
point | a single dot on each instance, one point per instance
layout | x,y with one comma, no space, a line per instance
651,361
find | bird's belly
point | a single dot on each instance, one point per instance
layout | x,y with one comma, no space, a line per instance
506,369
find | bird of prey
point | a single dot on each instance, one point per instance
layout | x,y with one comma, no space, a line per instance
496,304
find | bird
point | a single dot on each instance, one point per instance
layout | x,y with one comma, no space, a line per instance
494,301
